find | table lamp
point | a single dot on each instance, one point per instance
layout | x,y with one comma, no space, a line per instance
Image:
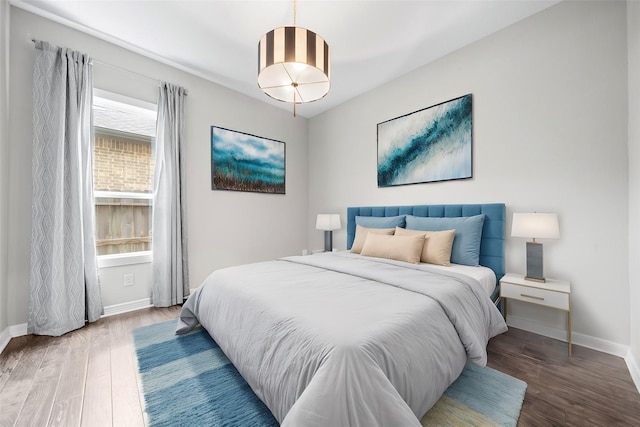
328,223
535,226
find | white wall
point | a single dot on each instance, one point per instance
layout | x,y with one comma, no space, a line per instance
4,158
114,293
633,40
224,228
549,134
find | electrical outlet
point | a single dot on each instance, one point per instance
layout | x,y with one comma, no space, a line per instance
129,279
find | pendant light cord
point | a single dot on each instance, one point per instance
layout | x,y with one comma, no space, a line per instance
295,12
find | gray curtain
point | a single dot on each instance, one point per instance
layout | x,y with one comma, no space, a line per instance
170,271
63,289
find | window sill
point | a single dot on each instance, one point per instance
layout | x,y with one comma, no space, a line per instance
117,260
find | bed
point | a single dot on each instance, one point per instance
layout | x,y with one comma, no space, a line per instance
345,339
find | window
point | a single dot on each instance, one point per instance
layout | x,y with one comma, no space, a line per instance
124,142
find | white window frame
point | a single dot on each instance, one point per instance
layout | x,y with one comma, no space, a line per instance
128,258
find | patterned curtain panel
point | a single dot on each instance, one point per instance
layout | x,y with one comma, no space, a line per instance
63,290
170,271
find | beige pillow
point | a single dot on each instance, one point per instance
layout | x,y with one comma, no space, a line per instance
361,235
437,246
400,248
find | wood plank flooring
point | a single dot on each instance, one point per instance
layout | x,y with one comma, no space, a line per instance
588,389
84,378
88,378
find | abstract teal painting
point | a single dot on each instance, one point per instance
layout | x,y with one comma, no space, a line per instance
244,162
432,144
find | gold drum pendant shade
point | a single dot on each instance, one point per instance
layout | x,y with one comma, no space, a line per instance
294,65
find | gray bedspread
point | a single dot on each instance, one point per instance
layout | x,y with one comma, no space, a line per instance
337,339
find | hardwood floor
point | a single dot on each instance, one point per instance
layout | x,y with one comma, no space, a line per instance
589,388
88,378
84,378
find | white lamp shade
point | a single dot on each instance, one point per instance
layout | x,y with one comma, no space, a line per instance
535,225
328,222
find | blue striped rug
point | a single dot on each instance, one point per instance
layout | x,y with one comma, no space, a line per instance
187,381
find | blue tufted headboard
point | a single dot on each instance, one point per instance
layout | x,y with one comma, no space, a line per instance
493,231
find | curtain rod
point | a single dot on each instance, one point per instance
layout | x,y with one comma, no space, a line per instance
97,61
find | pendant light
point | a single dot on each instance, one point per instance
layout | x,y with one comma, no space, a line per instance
294,64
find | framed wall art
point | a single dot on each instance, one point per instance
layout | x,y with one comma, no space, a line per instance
428,145
244,162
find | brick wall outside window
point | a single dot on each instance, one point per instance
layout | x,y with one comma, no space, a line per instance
122,164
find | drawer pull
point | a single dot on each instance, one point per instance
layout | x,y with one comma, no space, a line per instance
531,296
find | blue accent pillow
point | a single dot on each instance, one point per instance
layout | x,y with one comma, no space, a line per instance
381,221
466,243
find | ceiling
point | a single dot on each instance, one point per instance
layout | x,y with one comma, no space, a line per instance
371,41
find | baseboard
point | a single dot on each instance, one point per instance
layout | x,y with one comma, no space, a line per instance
126,307
588,341
634,368
111,310
5,337
18,330
10,332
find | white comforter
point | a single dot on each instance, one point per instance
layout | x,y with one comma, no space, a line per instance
337,339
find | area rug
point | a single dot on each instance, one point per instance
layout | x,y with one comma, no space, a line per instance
188,381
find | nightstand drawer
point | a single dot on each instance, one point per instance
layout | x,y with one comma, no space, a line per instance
535,295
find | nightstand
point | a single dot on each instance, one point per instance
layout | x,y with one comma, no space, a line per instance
553,293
